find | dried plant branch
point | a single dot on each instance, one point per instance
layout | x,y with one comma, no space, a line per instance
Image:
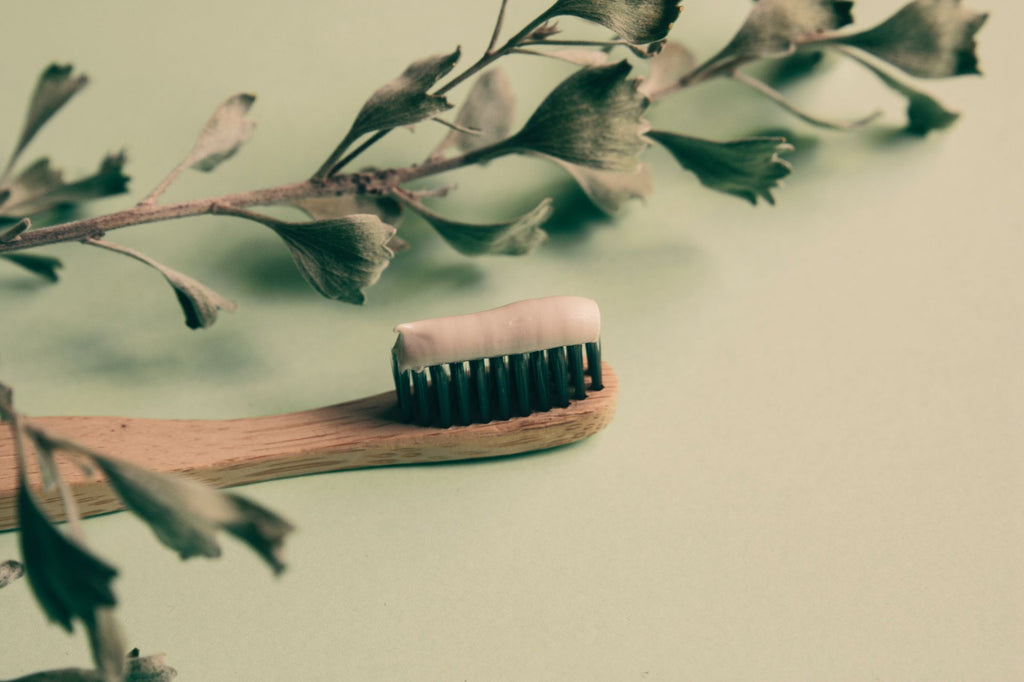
363,183
71,584
768,35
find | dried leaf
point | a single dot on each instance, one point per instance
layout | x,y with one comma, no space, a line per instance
925,38
185,515
609,190
199,302
405,101
487,109
10,571
385,208
44,266
43,188
513,238
667,67
322,208
924,113
774,27
748,168
637,21
68,581
226,131
108,180
37,180
338,257
593,118
401,102
56,85
260,528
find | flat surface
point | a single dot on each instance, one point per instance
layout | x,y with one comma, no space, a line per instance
815,471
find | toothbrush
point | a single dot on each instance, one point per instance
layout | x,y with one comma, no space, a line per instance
527,376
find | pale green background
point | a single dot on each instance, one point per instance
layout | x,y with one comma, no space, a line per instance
815,471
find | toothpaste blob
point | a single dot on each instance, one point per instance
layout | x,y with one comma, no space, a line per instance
522,327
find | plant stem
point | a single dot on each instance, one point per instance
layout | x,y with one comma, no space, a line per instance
576,43
497,27
442,165
777,97
372,140
88,228
164,184
704,72
491,55
376,182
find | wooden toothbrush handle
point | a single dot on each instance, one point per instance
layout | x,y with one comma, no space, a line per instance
354,435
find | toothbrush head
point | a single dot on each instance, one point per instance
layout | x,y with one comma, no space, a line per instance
525,357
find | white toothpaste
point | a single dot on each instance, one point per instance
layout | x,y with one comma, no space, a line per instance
522,327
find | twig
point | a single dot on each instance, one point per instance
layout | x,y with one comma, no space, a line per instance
491,56
497,27
353,183
87,228
164,184
778,98
576,43
329,169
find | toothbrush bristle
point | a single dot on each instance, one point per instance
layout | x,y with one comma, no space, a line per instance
497,388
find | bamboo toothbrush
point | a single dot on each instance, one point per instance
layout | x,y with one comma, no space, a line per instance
524,377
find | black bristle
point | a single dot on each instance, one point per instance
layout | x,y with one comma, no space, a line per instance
520,383
539,380
460,391
579,385
559,376
480,390
442,391
402,389
478,377
594,365
422,395
502,388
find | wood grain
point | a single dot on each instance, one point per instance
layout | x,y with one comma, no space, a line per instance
354,435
